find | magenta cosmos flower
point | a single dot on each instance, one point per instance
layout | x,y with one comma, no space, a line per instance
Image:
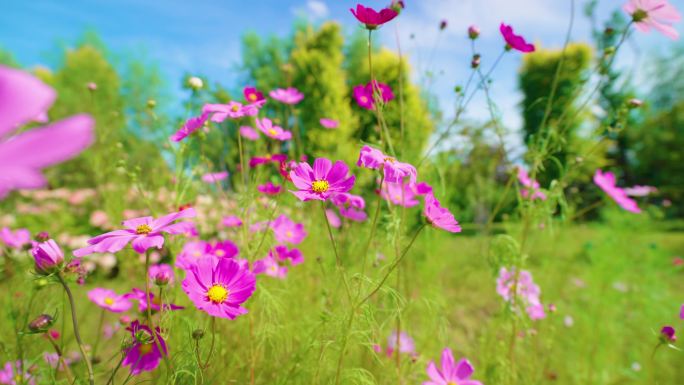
606,181
667,334
394,171
219,286
23,99
143,233
532,186
266,159
286,230
451,372
144,355
406,344
371,18
333,219
269,188
270,266
289,95
231,221
329,123
252,95
656,14
195,250
266,126
322,181
363,94
282,253
350,206
15,239
214,177
48,257
439,216
400,194
514,41
109,300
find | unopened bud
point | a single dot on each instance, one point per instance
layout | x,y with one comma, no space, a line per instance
151,103
634,103
195,83
476,61
43,236
92,86
442,25
473,32
198,334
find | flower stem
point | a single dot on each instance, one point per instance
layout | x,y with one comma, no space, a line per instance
77,334
373,228
211,346
338,261
148,314
99,333
61,361
116,369
394,265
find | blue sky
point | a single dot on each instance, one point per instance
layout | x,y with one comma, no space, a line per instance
203,36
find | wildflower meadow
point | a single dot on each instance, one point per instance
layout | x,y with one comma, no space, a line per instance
341,206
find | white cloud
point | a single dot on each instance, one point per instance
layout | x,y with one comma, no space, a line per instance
317,9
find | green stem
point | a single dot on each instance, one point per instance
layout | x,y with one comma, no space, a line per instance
148,314
373,228
77,334
99,333
338,260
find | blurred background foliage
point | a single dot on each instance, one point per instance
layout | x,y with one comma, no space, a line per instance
135,114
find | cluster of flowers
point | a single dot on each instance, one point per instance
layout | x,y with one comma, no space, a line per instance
520,291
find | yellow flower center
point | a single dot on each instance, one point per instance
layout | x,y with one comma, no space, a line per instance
320,186
197,254
452,383
220,253
252,97
273,132
390,159
18,378
235,108
143,229
145,349
288,234
217,294
364,99
109,301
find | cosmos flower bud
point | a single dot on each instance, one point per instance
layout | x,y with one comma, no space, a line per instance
91,86
667,334
41,323
151,103
473,32
195,83
397,5
609,31
48,257
634,103
124,319
442,25
43,236
198,334
609,51
40,283
476,61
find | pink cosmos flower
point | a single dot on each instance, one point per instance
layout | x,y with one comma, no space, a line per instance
257,160
532,191
48,256
394,171
231,221
190,126
451,372
514,41
364,94
406,344
439,216
656,14
214,177
640,191
219,286
252,95
109,300
527,291
249,133
322,181
333,219
329,123
400,194
289,95
282,253
195,250
286,230
269,188
270,266
161,274
23,98
12,374
274,132
371,18
15,239
143,233
606,181
350,206
144,355
140,297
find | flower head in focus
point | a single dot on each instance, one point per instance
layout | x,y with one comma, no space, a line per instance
451,372
322,181
371,18
144,354
514,41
